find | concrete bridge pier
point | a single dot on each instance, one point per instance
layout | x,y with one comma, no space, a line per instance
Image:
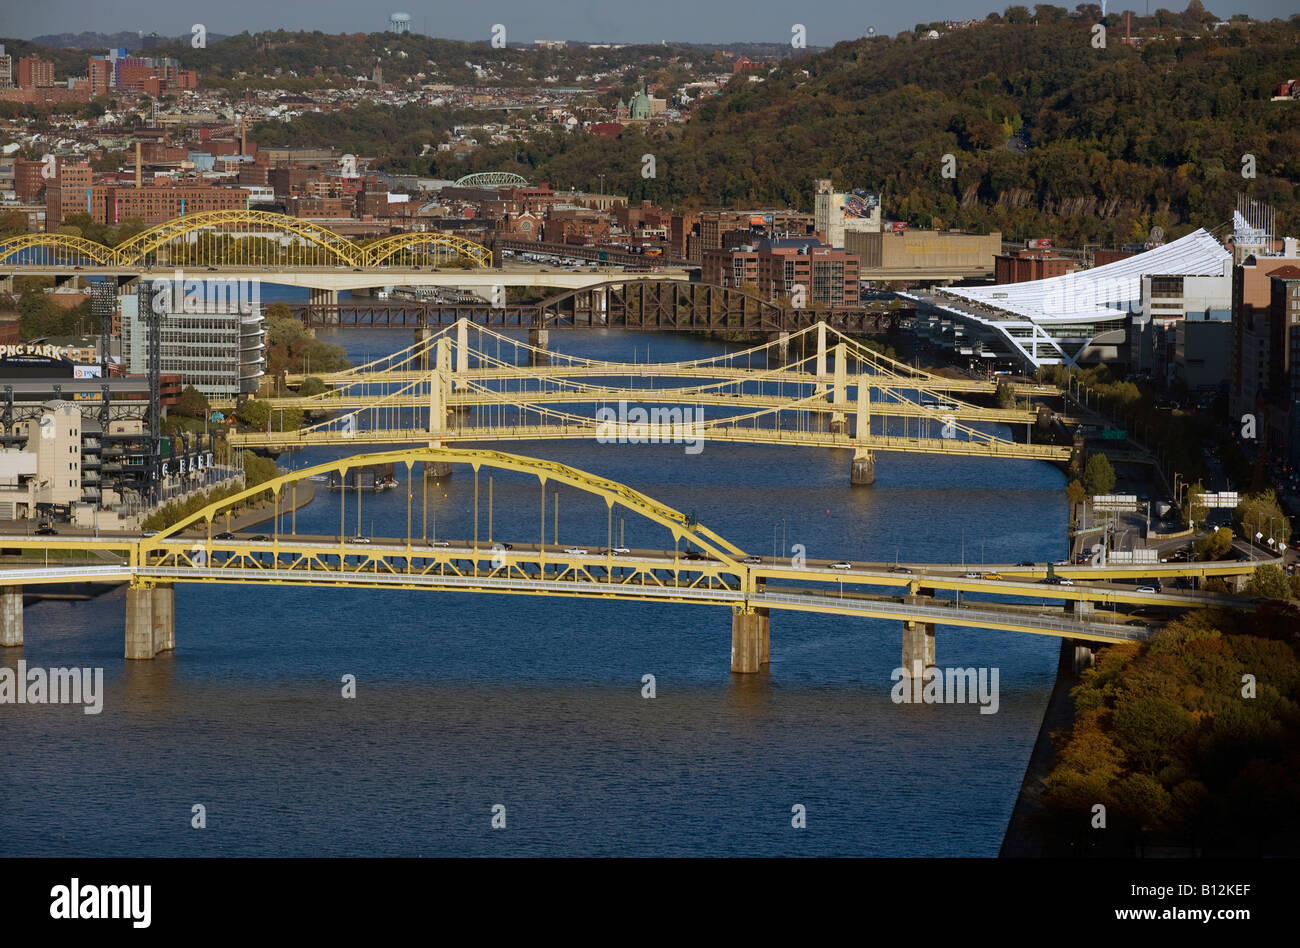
1083,658
864,467
750,640
918,642
11,616
423,334
323,297
541,338
778,355
150,620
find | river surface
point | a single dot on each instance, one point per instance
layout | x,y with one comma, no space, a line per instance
468,701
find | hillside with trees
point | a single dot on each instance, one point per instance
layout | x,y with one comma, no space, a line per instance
1051,137
1189,741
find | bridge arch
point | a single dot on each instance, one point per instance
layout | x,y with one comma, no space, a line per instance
240,237
55,250
492,179
614,493
424,248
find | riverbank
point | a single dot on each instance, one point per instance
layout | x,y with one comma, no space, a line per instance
1019,841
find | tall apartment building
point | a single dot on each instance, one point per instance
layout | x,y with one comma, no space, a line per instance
1252,337
218,349
6,68
29,179
35,73
70,192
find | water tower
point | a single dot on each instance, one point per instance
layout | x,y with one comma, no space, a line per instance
400,23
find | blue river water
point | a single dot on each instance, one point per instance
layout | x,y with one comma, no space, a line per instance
467,701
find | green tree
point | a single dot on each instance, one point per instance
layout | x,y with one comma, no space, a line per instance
193,403
1194,509
1098,476
311,385
1261,513
1213,546
1269,582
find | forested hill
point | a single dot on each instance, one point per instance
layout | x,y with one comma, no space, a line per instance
1051,136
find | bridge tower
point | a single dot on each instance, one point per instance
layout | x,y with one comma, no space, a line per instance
840,390
864,460
821,356
462,353
439,393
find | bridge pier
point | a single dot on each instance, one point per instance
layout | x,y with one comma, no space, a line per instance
540,338
436,470
864,467
323,297
918,642
150,620
11,614
778,355
423,334
1083,658
751,635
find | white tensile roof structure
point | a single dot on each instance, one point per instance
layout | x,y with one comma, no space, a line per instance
1054,320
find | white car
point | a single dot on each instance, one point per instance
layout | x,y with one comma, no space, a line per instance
1147,589
841,565
1064,581
359,539
440,543
620,550
576,551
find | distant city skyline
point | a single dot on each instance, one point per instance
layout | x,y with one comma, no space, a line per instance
827,22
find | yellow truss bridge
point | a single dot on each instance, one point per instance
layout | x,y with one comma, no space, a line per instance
442,390
240,238
685,562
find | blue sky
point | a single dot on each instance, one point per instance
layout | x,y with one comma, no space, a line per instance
704,21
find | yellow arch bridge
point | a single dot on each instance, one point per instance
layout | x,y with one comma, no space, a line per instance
701,567
239,238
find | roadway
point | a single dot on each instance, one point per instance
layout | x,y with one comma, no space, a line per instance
339,278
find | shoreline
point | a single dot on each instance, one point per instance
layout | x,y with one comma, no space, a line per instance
1018,842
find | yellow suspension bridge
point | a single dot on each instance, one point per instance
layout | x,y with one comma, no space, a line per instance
442,390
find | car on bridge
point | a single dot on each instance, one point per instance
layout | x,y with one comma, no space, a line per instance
46,530
753,560
972,574
440,543
899,569
224,535
1150,590
620,551
842,565
358,539
992,575
576,551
